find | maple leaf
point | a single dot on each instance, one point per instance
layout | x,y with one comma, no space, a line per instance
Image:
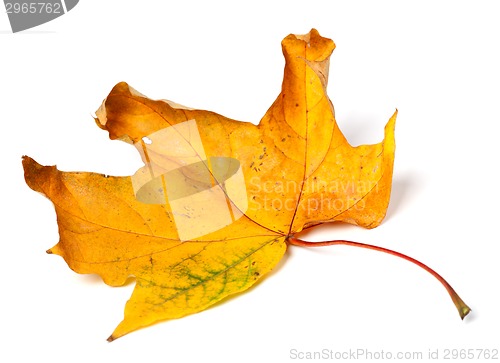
218,201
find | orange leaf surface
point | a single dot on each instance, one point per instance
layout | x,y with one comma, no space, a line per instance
217,202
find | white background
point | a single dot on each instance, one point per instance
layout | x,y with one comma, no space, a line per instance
437,62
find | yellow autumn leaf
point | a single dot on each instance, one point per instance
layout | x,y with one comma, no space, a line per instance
218,201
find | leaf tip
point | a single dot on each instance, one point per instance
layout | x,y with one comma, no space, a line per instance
392,121
32,171
27,161
55,250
